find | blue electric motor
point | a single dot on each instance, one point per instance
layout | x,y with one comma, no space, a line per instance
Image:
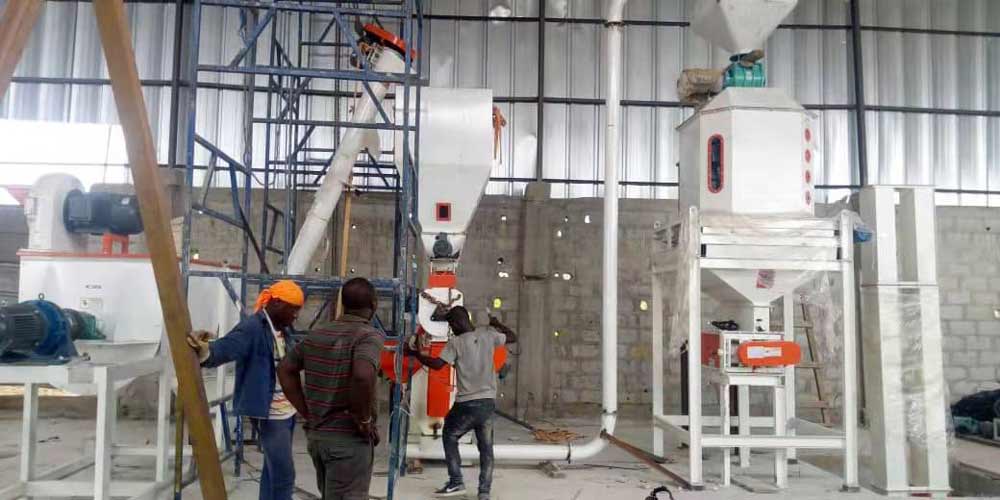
41,332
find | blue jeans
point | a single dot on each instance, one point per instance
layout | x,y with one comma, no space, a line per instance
475,415
277,477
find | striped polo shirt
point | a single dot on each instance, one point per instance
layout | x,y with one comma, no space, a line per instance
326,355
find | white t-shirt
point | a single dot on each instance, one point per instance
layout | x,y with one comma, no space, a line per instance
281,408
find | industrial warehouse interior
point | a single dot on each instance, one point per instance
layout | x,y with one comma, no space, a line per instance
499,249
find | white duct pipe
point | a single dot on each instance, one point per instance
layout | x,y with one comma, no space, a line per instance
339,173
609,332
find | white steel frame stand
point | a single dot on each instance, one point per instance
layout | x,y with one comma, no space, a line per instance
52,483
789,433
902,333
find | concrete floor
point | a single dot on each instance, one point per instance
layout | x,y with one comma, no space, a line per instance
612,475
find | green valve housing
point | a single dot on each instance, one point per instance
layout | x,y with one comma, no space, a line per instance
744,72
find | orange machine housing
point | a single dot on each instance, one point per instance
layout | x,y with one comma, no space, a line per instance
439,384
757,354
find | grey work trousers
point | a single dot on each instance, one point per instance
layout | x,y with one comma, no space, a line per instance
343,468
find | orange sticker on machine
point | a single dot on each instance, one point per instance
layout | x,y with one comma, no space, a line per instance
769,353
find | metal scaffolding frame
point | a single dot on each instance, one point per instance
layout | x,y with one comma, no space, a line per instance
289,165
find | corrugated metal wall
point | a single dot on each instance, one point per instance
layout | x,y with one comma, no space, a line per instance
813,65
934,71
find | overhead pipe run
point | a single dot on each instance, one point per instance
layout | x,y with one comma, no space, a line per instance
615,28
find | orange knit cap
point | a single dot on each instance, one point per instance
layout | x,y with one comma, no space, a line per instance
284,290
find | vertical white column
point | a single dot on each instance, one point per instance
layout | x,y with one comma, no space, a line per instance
29,432
727,459
780,424
743,412
102,445
850,355
791,389
220,389
163,424
694,345
658,371
931,354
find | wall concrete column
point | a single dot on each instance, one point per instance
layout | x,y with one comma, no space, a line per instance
536,245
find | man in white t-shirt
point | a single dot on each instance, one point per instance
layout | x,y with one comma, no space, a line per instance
470,352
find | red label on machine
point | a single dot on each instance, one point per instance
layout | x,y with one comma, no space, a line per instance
769,353
710,343
765,278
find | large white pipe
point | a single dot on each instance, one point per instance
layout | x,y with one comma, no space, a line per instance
339,173
609,334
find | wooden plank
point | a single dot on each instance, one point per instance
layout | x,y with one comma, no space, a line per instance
116,40
16,21
345,245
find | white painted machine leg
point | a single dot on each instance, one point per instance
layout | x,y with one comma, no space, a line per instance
163,425
220,388
780,426
744,418
657,368
102,445
727,460
29,432
935,420
694,349
791,389
850,359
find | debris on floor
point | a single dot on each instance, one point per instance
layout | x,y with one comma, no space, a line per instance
555,436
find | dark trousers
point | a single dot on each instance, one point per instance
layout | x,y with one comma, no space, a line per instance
277,477
475,415
343,468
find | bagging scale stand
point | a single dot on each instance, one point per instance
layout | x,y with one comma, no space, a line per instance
710,245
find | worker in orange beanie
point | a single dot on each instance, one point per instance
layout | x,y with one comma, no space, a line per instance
257,344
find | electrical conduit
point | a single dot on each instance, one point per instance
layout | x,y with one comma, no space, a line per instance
339,173
614,27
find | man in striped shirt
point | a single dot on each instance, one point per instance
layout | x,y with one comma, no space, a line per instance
340,360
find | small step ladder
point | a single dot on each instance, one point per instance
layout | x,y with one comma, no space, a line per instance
815,365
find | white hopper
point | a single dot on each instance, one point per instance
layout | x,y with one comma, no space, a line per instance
743,238
739,26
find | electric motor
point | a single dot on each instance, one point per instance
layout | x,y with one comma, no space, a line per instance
99,213
442,247
41,331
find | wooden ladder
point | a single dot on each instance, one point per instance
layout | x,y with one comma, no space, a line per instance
815,365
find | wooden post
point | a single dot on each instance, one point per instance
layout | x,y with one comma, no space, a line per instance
116,40
16,21
345,241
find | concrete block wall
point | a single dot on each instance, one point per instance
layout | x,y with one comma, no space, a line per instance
569,373
969,281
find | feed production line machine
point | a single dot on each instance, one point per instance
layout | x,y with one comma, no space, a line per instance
747,237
